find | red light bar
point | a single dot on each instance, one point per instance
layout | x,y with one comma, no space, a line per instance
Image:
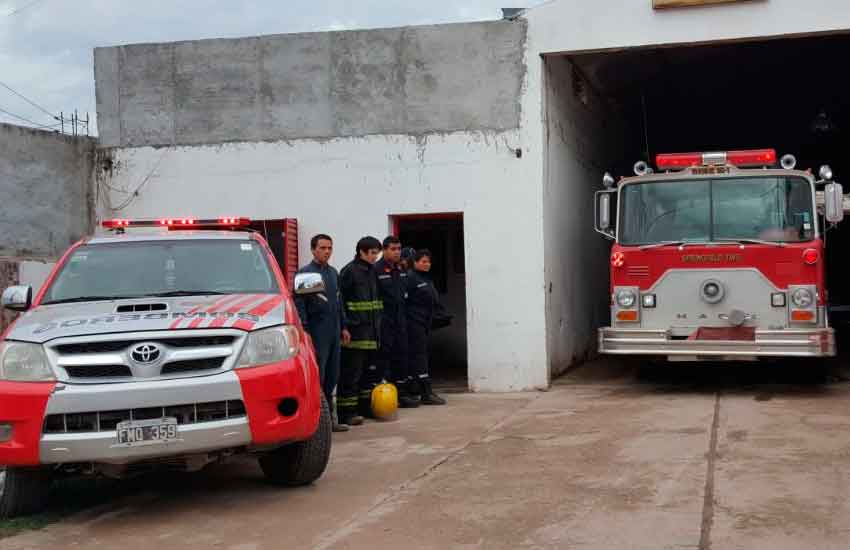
178,223
755,157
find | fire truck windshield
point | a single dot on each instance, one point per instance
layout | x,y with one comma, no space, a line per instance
773,209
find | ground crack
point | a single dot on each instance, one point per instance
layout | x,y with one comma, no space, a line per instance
708,496
374,511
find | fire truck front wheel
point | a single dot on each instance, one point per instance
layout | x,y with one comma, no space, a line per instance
23,491
304,462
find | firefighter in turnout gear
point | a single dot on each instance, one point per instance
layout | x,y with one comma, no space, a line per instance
422,302
392,355
361,298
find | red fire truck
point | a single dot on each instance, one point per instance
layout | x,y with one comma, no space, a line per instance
719,256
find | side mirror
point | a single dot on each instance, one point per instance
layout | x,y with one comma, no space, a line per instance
309,283
17,298
833,195
602,209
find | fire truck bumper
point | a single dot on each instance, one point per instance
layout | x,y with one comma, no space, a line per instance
815,342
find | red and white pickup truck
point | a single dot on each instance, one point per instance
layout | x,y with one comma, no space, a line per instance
175,346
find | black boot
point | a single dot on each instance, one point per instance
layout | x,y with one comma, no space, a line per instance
405,399
428,395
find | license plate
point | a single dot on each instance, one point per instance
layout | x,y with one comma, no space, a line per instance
133,433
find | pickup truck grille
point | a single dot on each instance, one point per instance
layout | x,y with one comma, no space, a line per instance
99,371
177,354
122,345
193,365
104,421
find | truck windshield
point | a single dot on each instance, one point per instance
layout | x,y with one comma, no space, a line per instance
775,209
162,268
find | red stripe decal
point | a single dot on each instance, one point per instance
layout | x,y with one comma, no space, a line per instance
197,308
259,311
235,308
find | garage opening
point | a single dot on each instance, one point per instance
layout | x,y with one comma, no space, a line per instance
442,234
606,110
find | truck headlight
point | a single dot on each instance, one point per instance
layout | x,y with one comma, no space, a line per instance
24,362
803,297
269,345
626,298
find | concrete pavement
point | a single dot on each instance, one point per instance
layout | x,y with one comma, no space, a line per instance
704,459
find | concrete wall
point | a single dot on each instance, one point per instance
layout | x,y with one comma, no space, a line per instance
46,200
412,80
584,137
349,187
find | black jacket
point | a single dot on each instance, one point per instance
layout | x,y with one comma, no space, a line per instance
358,286
392,285
422,299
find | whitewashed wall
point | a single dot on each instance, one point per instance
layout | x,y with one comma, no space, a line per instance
349,187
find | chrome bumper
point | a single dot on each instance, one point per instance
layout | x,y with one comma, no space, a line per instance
815,342
103,447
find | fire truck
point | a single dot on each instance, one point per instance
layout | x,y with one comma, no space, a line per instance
719,256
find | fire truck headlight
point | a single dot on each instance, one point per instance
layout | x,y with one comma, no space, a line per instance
648,300
777,299
803,297
626,298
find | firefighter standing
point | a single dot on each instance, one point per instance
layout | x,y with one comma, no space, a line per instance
324,318
359,289
392,354
422,301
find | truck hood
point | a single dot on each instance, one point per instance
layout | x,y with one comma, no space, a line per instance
241,311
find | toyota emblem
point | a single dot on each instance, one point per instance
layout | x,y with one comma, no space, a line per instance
145,353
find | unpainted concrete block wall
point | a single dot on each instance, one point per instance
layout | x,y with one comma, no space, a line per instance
46,198
412,80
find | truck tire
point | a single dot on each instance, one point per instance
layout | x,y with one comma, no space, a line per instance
23,491
304,462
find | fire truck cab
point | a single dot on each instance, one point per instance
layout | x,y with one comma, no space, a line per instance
719,256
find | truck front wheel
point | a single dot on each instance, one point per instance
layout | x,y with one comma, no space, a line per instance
304,462
23,491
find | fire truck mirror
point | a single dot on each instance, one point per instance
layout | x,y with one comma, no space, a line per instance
833,202
604,223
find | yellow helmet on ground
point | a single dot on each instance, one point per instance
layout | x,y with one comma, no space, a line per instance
385,401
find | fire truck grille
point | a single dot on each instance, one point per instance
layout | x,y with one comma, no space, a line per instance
638,271
104,421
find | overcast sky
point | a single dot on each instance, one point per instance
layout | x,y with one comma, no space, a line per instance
46,45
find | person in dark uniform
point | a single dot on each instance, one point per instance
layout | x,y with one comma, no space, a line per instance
324,318
392,353
422,301
358,286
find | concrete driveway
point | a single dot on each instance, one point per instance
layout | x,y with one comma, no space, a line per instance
729,457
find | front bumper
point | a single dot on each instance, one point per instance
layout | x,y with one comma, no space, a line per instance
815,342
261,424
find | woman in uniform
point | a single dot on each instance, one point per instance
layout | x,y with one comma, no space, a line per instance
422,301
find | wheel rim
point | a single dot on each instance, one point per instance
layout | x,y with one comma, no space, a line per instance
2,481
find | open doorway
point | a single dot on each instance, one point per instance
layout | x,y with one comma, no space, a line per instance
784,93
442,234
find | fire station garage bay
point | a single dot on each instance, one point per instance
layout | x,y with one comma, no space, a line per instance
482,141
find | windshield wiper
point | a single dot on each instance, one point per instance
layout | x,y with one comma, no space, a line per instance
671,243
750,241
173,293
89,299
